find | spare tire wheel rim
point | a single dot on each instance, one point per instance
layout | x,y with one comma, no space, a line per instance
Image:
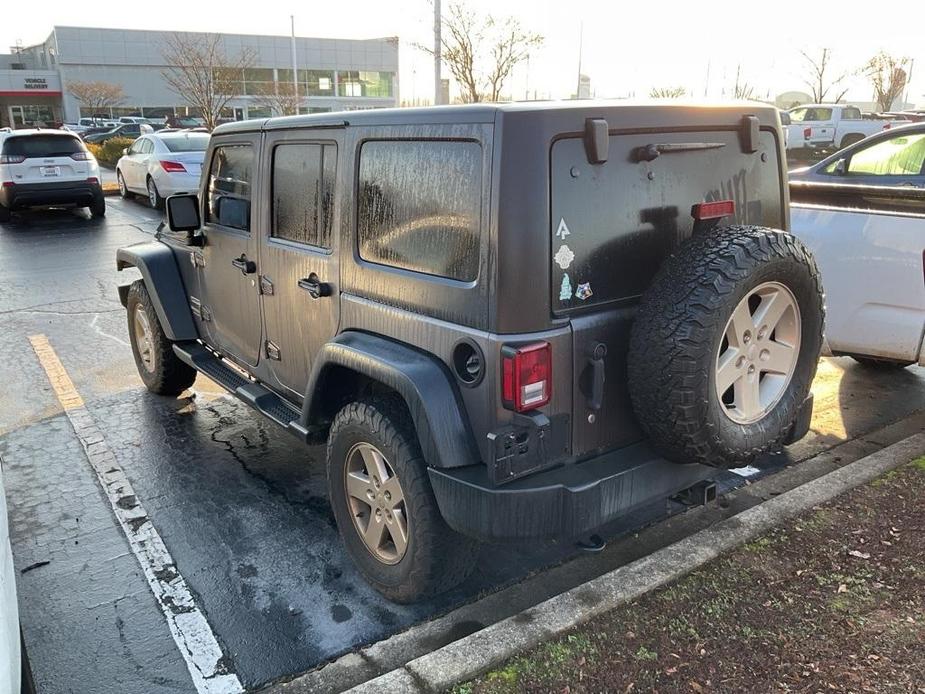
376,502
144,338
758,353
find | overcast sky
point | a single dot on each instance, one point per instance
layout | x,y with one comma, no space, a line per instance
628,47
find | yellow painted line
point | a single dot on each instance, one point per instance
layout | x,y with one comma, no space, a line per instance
64,387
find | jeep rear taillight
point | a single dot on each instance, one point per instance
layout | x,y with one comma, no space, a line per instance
807,133
526,376
173,166
82,156
12,158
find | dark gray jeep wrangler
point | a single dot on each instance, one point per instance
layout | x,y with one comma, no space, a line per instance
506,322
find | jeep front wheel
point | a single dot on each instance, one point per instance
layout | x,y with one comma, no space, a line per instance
725,345
160,368
384,506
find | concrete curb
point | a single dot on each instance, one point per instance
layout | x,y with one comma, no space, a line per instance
475,654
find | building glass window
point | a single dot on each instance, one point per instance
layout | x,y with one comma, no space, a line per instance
258,81
419,206
364,83
157,111
311,82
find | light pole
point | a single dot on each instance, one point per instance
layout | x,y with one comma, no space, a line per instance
438,86
295,67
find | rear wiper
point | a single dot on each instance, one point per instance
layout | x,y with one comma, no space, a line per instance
653,151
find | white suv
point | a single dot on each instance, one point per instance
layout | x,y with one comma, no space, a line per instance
47,167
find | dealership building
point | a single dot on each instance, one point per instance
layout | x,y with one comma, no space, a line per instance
333,74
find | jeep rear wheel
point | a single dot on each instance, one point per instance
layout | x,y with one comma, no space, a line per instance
725,345
159,367
385,508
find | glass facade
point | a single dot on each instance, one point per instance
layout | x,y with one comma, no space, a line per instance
311,82
364,83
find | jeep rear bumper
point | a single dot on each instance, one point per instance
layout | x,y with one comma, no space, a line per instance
80,193
563,503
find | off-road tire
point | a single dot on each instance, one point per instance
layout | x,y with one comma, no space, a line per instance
170,375
881,364
5,214
98,208
678,330
437,558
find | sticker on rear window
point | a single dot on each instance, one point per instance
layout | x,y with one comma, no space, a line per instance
564,257
565,291
584,291
562,231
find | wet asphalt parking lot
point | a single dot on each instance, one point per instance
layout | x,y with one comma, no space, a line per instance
240,506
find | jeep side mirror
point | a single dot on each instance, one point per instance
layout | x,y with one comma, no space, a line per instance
183,212
841,168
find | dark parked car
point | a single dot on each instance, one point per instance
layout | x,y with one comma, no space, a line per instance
895,157
505,322
127,130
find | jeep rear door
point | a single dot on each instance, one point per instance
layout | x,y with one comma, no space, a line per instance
611,226
298,255
230,307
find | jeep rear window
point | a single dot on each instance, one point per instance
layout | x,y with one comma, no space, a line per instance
43,146
419,204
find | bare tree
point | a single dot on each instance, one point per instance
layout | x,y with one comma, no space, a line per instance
97,96
887,74
742,89
199,72
820,80
667,92
280,97
481,52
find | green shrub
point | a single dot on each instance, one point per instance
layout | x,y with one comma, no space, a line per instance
109,152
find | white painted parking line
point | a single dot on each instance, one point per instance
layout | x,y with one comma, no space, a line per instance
191,631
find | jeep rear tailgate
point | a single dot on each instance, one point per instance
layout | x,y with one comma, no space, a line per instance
612,225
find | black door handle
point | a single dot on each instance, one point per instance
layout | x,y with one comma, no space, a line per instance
247,267
314,286
598,376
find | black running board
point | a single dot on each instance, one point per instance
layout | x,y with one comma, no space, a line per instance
261,398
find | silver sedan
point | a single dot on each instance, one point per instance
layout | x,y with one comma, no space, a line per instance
159,165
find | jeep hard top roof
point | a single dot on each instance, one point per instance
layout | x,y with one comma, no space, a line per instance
621,114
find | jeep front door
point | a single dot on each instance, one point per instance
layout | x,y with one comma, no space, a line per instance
229,295
299,270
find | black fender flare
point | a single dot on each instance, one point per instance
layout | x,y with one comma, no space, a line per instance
161,276
421,380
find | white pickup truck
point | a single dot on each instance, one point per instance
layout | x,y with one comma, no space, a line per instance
831,126
870,249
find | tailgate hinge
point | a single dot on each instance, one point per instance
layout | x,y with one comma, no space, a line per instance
266,286
273,351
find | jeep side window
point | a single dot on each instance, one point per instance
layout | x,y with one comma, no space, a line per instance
303,193
230,186
419,206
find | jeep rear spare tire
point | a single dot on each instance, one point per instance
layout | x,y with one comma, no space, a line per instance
725,345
